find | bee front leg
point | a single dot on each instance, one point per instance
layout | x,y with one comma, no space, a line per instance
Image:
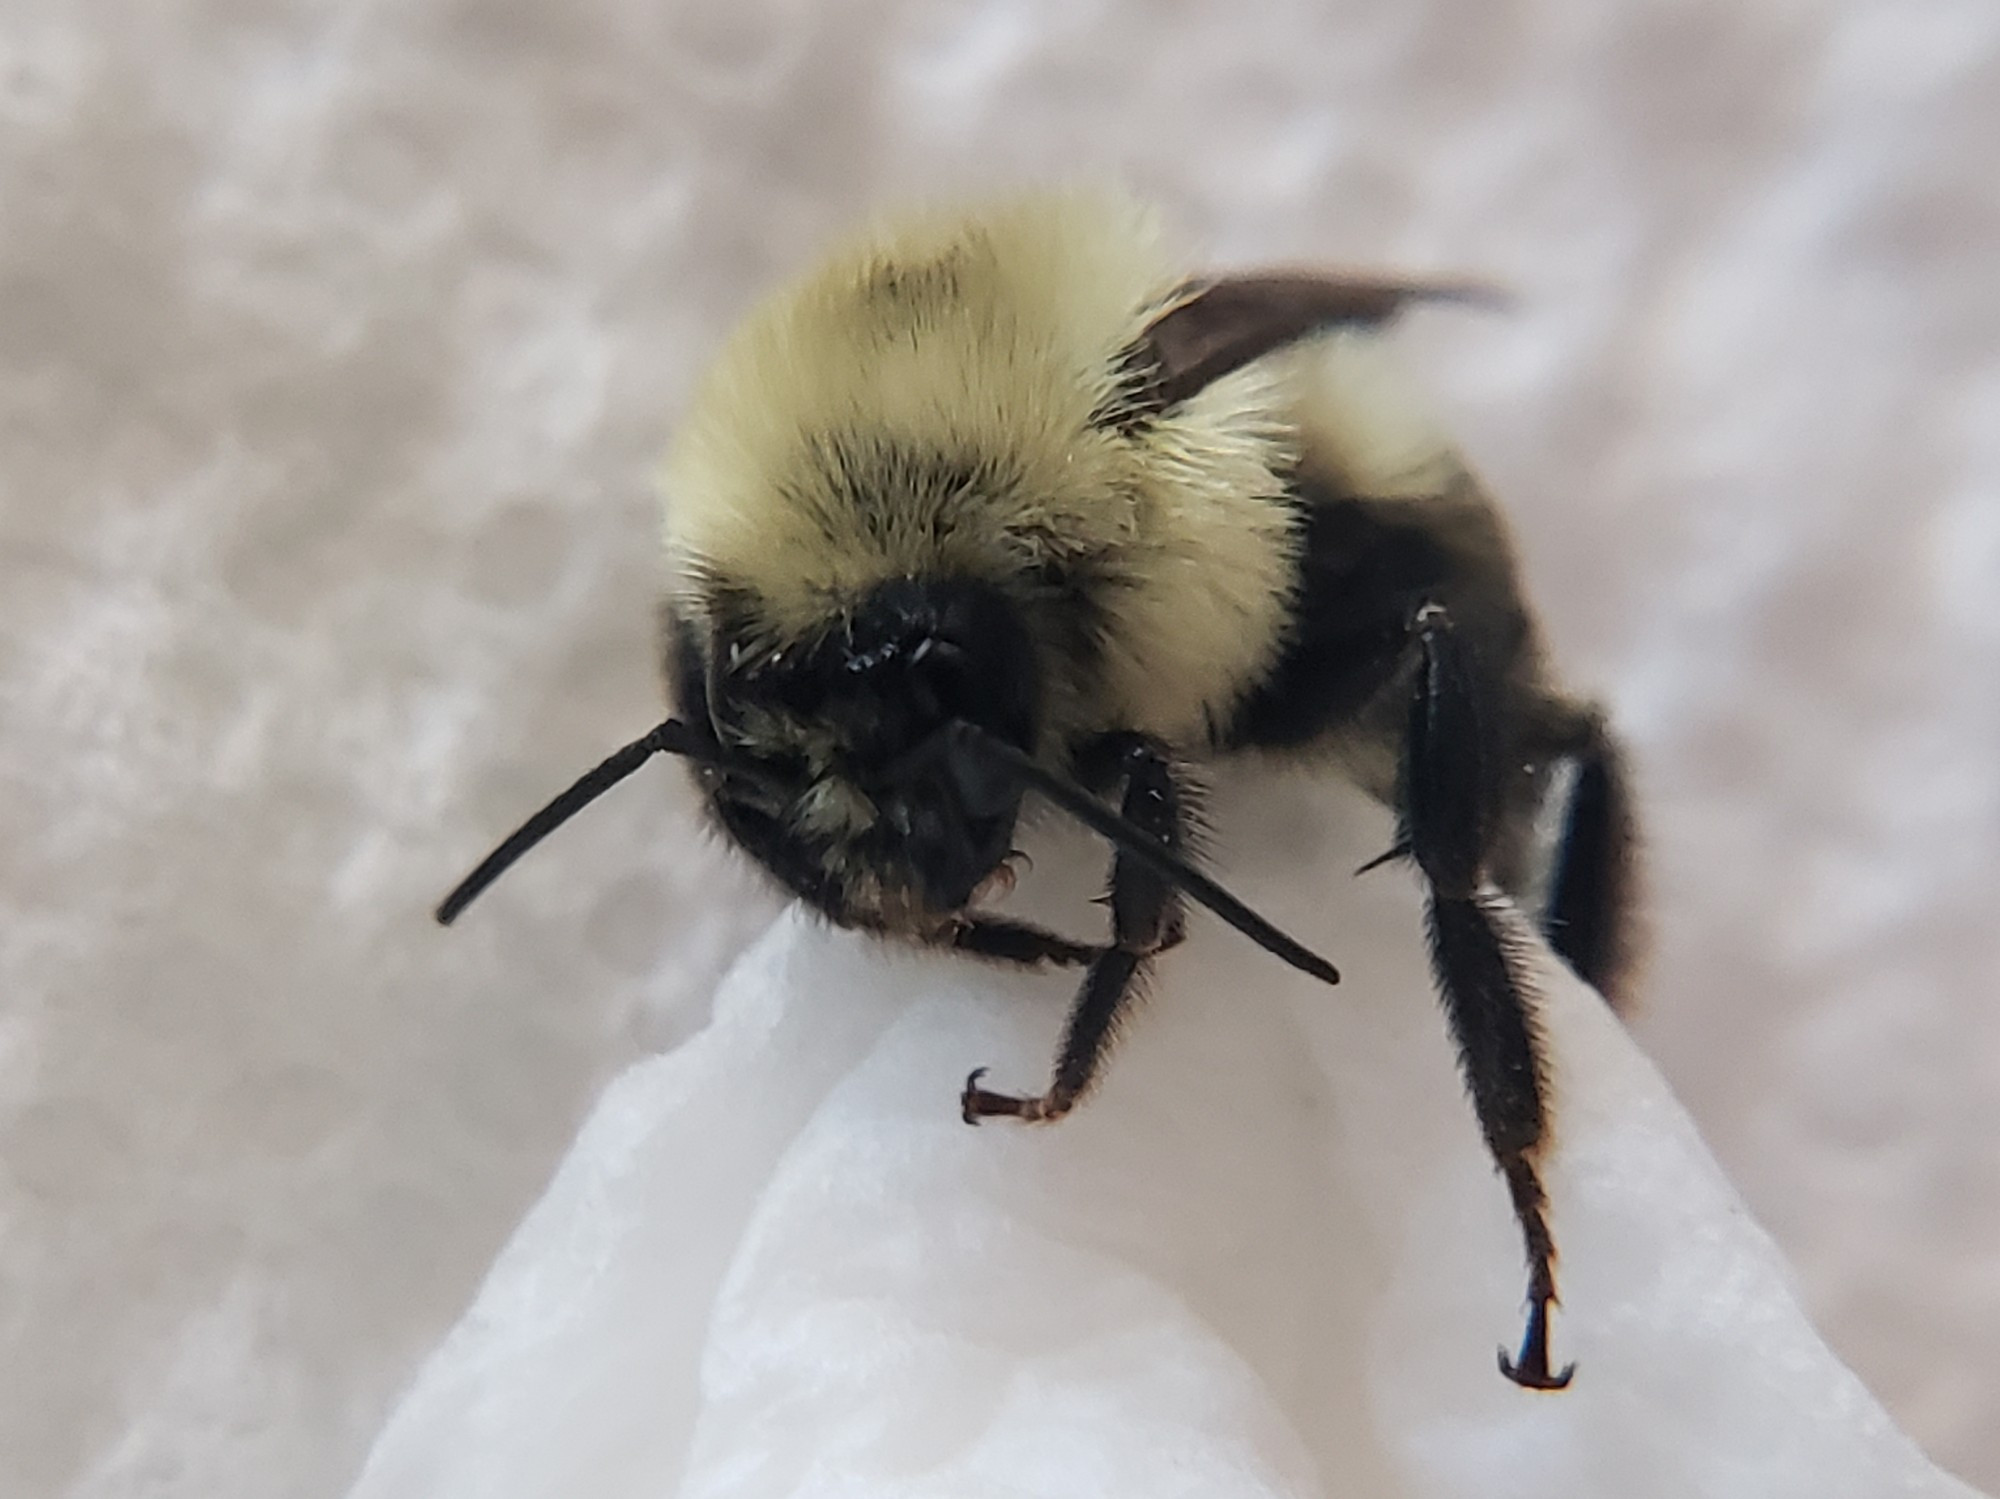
1449,801
1146,919
1018,943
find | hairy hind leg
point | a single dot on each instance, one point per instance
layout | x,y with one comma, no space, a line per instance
1589,913
1449,804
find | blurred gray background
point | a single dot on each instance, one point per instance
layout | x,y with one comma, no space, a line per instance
337,343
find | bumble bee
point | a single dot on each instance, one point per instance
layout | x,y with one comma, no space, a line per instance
1007,504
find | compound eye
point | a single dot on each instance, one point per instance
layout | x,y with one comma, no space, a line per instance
784,679
720,691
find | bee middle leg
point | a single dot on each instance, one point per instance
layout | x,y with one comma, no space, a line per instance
1146,919
1449,807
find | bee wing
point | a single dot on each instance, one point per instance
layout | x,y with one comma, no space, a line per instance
1224,324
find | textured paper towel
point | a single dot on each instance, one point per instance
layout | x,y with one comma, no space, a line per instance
1268,1259
338,344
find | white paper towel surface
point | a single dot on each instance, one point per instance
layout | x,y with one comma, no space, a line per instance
1270,1259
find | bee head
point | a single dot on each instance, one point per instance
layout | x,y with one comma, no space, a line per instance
877,768
844,733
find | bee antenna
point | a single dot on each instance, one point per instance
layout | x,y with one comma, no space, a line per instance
671,738
1148,850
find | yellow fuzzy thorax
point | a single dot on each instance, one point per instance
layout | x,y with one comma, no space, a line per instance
932,401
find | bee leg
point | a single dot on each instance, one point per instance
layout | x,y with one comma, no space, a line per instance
1017,942
1449,801
1588,914
1110,984
1146,919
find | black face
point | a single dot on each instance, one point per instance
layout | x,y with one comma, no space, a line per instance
853,790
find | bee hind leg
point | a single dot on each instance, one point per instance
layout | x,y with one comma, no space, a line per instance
1593,884
1449,808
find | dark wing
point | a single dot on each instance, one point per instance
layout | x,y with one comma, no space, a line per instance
1224,324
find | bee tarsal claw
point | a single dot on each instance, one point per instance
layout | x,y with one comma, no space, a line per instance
1531,1370
976,1103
